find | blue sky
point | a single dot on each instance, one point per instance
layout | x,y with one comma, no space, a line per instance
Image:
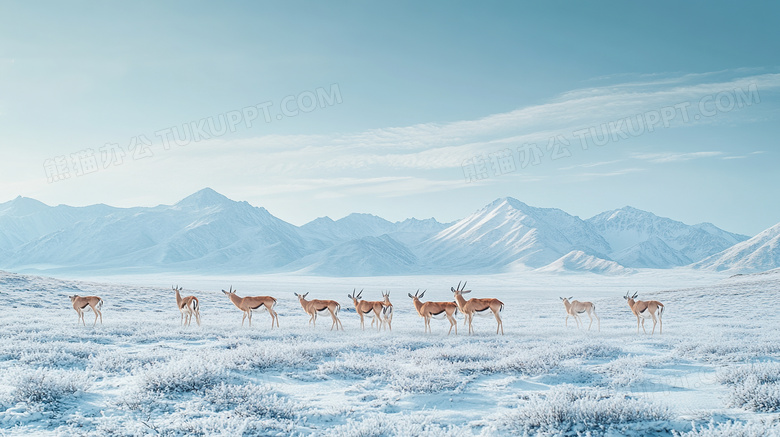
418,93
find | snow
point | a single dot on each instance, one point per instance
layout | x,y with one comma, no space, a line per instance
757,254
577,260
713,371
644,240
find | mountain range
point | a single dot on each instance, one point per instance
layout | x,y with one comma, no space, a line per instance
208,233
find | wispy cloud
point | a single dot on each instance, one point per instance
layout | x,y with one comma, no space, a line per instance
591,164
744,156
389,186
666,157
446,145
409,158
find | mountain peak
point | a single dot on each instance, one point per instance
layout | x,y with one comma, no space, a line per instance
204,198
760,253
22,206
510,201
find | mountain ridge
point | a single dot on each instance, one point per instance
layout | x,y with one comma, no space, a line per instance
208,232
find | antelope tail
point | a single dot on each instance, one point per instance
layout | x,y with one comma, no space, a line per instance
100,304
661,313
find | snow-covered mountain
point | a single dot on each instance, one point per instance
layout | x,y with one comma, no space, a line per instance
509,234
356,226
348,228
23,220
577,260
757,254
642,239
366,256
207,232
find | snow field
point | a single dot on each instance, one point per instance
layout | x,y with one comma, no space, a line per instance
712,372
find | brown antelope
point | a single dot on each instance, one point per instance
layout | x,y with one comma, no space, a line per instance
250,304
316,306
387,310
479,307
363,307
80,304
437,310
646,309
574,308
188,306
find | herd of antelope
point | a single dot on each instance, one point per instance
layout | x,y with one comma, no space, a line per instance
381,311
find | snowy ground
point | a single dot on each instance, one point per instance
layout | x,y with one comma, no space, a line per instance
714,371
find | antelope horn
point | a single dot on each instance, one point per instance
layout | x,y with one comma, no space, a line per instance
464,285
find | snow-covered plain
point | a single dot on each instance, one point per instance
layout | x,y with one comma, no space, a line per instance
714,371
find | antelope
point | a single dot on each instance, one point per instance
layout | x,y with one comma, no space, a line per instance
80,305
316,306
249,304
437,310
575,308
363,307
479,307
187,306
646,309
387,310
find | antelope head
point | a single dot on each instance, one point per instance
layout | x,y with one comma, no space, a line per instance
460,289
228,293
355,296
301,297
416,297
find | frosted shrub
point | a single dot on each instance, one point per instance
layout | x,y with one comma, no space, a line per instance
264,356
381,424
115,362
757,396
734,429
249,400
728,350
629,371
47,386
765,372
755,387
567,410
48,354
181,376
542,359
428,377
355,365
